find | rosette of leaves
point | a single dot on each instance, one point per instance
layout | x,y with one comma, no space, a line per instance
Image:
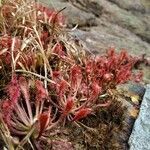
23,113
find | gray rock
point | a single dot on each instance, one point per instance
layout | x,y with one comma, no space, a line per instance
140,137
137,89
130,5
99,39
138,24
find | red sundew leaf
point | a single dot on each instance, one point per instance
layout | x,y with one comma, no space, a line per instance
76,71
44,120
7,108
69,106
7,58
58,49
5,41
102,72
13,90
60,19
108,76
76,75
89,67
96,90
29,59
56,74
50,13
44,36
5,46
39,7
111,52
112,63
82,113
123,75
6,104
84,89
123,56
62,87
17,43
24,88
41,92
7,10
25,91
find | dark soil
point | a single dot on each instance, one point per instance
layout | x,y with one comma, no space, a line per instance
108,129
103,132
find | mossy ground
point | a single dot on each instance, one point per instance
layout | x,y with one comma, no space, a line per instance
105,130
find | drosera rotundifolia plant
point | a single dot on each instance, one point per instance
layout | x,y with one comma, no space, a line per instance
47,82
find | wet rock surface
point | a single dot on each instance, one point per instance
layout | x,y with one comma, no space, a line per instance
105,23
140,137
